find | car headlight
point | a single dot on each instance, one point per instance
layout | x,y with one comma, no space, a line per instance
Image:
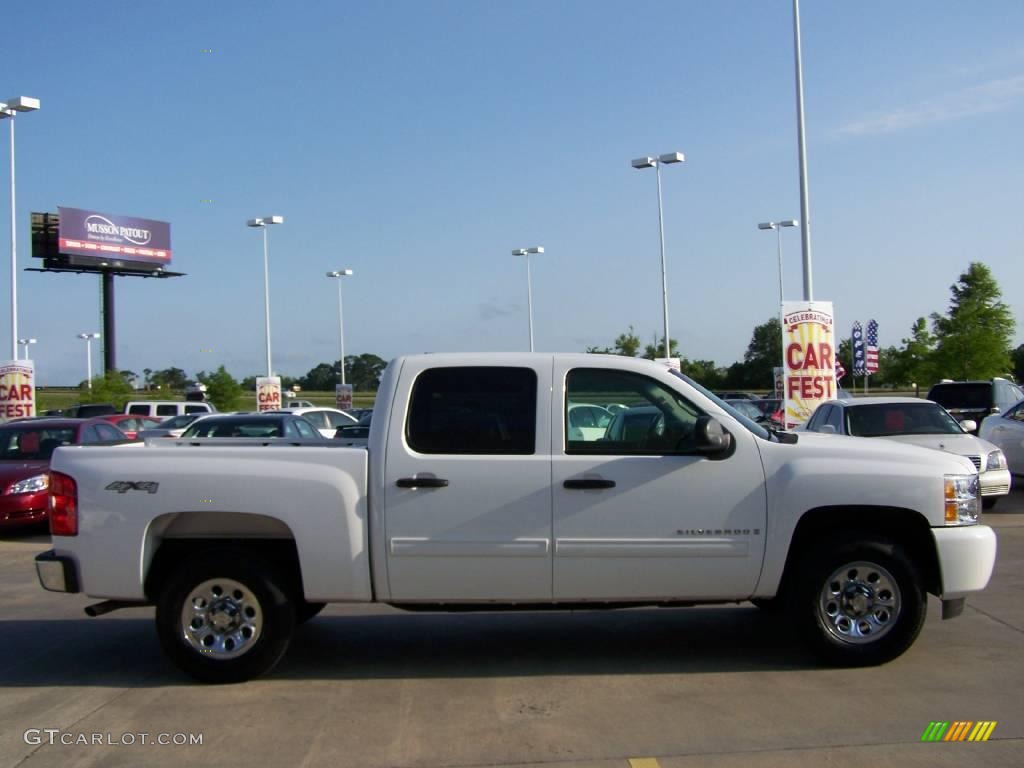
963,503
995,460
32,484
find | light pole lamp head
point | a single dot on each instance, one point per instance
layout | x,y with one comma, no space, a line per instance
671,157
767,225
644,162
88,336
341,273
536,249
22,104
789,223
26,341
273,219
519,252
255,223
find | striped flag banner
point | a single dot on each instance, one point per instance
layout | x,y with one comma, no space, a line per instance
871,349
857,339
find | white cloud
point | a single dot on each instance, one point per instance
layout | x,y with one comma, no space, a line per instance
993,96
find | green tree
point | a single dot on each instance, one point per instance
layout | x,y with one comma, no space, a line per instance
222,390
170,378
363,372
322,378
657,349
1018,362
763,354
973,337
914,362
704,372
107,388
627,344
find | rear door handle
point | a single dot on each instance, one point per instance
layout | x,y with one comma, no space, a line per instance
422,482
588,483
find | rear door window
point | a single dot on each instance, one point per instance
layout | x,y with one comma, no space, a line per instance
167,410
473,410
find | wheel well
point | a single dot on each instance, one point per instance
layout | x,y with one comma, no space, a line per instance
838,523
281,553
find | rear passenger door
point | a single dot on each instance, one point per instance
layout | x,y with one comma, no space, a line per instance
467,484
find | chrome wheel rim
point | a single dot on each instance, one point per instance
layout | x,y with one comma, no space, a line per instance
221,618
859,603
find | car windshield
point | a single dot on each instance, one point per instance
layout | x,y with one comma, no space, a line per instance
901,419
751,425
236,428
962,395
33,444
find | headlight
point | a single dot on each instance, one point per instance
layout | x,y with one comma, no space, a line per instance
32,484
995,460
962,500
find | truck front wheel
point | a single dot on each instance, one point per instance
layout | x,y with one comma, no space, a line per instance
860,603
225,617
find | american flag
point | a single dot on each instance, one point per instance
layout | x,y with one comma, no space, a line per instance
871,358
840,371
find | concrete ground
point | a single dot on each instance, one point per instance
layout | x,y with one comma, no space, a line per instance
642,688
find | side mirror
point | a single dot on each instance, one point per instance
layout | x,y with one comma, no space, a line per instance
969,425
827,429
711,436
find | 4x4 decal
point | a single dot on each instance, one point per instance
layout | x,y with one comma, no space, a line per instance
123,486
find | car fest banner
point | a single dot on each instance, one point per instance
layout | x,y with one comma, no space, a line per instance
124,238
17,389
268,393
343,396
808,352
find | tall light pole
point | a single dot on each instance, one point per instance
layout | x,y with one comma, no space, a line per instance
263,223
655,163
9,109
805,203
88,337
529,288
339,274
777,226
24,345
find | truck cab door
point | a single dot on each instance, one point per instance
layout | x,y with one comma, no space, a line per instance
640,514
467,483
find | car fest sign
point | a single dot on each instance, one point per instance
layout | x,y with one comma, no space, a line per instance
17,389
343,396
808,352
119,238
268,393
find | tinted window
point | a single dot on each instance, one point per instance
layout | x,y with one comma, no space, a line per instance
901,419
473,410
144,409
835,418
818,418
167,410
23,445
191,409
657,420
109,433
305,429
90,435
962,395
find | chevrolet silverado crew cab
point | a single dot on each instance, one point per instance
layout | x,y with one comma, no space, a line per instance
474,493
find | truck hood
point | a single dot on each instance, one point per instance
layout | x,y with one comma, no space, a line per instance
962,445
840,448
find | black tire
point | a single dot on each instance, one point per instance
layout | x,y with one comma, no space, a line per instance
253,606
305,611
989,502
859,603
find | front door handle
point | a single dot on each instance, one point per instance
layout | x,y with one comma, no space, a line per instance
588,483
421,482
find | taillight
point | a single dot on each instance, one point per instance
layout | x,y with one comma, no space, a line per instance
63,505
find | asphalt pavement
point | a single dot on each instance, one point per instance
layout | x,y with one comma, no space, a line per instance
646,688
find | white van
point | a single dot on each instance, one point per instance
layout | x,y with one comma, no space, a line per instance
165,408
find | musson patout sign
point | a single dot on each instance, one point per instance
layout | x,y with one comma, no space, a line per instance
808,352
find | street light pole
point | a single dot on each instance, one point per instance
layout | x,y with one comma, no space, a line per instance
8,109
529,284
262,223
805,204
339,274
777,226
88,355
24,346
652,162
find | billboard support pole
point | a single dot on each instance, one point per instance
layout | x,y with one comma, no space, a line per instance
109,338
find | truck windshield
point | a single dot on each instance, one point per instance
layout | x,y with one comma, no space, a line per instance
750,424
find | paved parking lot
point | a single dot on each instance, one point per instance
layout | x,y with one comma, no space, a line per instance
375,687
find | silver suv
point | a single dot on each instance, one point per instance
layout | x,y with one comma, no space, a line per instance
975,399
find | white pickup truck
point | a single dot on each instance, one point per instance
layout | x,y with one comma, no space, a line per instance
474,494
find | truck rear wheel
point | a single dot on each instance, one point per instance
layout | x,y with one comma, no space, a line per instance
859,603
225,616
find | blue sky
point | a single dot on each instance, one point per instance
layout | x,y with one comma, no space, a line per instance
418,143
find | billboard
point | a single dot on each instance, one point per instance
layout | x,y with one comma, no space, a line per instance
808,353
101,236
268,393
17,389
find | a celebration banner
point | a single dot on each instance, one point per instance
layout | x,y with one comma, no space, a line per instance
343,396
808,351
268,393
17,389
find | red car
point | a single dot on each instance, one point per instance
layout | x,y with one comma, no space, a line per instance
131,423
25,450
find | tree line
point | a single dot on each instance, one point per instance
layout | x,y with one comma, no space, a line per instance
971,340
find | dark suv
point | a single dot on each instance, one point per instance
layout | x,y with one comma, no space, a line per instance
975,399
